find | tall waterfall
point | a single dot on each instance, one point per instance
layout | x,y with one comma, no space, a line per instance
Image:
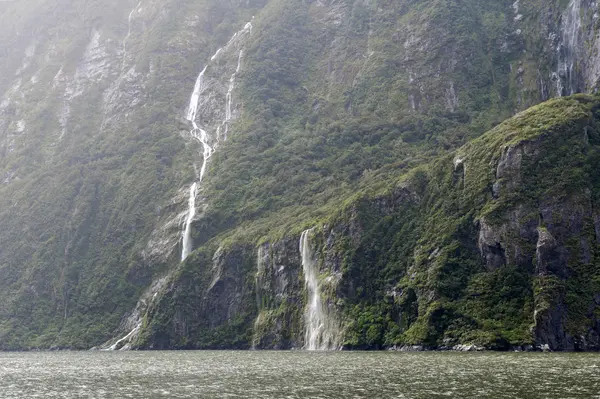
567,81
203,137
228,114
261,261
187,233
321,328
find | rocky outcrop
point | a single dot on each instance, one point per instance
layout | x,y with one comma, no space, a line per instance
490,246
279,296
209,303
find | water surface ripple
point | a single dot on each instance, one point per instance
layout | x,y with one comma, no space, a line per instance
150,375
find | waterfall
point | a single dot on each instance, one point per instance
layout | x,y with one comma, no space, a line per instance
198,88
260,271
126,339
134,321
197,133
321,329
187,233
228,114
124,45
203,137
261,259
567,81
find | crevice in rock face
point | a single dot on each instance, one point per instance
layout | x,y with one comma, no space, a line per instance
596,220
490,246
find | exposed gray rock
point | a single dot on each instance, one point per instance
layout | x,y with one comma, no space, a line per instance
508,171
490,246
279,287
411,348
468,348
547,255
225,296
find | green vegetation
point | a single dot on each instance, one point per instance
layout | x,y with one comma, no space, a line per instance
79,215
365,119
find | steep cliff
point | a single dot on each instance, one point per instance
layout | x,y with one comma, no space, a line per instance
287,174
493,245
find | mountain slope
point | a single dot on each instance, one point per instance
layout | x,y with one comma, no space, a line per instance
95,158
304,118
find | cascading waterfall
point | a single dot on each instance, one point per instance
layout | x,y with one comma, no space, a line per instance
136,318
201,135
198,133
260,270
321,329
231,86
568,50
228,113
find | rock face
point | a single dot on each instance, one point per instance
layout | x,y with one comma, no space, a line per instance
208,308
279,296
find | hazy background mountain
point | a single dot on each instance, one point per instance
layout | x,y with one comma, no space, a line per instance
361,120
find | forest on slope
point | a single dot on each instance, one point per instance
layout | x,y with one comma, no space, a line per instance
360,119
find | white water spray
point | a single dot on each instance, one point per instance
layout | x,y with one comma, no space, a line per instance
125,340
187,233
228,113
261,261
321,329
568,50
198,133
201,136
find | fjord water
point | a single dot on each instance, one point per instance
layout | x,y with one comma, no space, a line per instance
255,374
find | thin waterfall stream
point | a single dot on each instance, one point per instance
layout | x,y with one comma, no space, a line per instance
568,50
112,92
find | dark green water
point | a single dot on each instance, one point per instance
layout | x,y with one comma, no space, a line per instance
151,375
